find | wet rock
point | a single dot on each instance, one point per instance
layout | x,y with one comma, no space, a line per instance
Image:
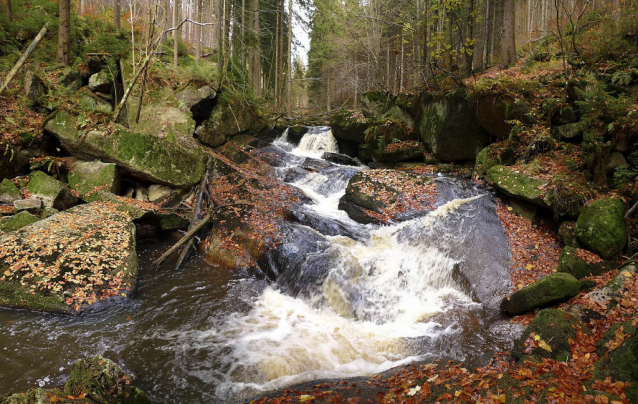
34,87
339,159
517,184
571,132
30,205
87,177
314,165
101,82
295,133
9,192
147,157
52,192
574,264
17,221
555,328
349,125
601,227
551,289
90,256
448,127
103,381
493,114
295,174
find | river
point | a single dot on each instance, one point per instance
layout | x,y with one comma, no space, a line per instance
389,296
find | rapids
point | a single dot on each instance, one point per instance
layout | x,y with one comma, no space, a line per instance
372,298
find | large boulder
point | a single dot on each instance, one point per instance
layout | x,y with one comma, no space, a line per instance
17,221
53,193
547,336
493,114
69,261
34,87
383,196
544,292
14,161
448,127
349,125
618,350
87,177
101,82
9,192
145,156
199,102
517,184
227,120
601,227
581,263
496,154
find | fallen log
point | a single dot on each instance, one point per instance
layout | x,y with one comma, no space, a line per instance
24,57
187,237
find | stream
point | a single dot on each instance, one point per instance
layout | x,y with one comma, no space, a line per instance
385,296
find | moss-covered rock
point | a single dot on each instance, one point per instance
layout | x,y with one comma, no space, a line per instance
551,289
9,192
101,82
517,184
552,327
92,103
145,156
52,192
87,177
448,127
567,233
349,125
493,114
581,263
227,120
17,221
69,261
570,132
601,227
620,363
496,154
103,381
400,152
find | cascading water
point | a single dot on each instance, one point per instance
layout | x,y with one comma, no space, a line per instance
387,295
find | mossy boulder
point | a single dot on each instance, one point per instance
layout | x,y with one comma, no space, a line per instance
496,154
92,103
551,289
17,221
69,261
493,114
9,192
349,125
164,120
227,120
567,233
570,132
87,177
601,227
53,193
580,263
620,363
400,151
144,156
34,87
101,82
103,381
448,127
552,327
517,184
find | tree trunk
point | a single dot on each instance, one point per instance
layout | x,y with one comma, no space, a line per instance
116,14
175,33
289,71
508,39
63,55
9,11
198,31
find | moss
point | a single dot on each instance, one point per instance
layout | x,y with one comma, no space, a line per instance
52,192
567,234
553,326
8,189
17,296
601,227
516,184
570,263
493,155
622,363
17,221
548,290
86,177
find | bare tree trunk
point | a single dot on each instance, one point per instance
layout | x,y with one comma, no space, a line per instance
9,11
243,34
175,33
23,58
63,55
198,31
276,92
289,70
508,40
116,14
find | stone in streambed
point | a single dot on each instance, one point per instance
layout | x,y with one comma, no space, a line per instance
551,289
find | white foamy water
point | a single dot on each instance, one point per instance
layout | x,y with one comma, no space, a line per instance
317,141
